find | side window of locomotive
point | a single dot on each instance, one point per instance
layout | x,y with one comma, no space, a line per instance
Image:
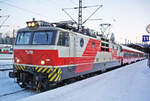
23,38
63,39
93,44
120,49
113,48
81,42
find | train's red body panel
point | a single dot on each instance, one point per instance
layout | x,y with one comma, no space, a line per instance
84,63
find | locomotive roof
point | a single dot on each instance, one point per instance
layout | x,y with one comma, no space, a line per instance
46,28
130,49
26,29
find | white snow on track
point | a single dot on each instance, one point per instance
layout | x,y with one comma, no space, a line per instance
9,85
129,83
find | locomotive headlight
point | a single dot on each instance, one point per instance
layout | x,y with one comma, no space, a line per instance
42,62
18,60
29,24
33,24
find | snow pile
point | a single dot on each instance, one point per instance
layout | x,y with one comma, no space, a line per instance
129,83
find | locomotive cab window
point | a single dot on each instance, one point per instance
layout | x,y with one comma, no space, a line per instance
23,38
36,38
63,39
42,38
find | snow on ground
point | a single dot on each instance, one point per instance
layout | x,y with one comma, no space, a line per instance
6,56
6,61
9,85
6,64
129,83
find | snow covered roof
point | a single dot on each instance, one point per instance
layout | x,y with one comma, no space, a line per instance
130,49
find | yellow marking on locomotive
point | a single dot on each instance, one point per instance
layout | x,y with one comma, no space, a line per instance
36,68
57,78
16,67
21,68
40,69
49,70
38,87
44,69
59,71
53,77
24,67
59,74
51,73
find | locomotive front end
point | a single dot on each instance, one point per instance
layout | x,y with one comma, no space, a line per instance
35,56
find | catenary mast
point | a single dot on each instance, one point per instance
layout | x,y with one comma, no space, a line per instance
80,16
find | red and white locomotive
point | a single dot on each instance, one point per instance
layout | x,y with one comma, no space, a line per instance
47,54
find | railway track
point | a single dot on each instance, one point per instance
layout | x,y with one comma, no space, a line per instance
7,94
6,67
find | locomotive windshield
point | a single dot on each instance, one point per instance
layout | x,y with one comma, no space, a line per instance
42,38
36,38
23,38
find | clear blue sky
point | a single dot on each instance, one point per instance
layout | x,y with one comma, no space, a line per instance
131,16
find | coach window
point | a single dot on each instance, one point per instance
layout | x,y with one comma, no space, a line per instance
63,39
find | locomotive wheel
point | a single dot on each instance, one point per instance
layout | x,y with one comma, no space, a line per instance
22,86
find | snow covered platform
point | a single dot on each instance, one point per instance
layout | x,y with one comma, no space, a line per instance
6,56
6,64
6,61
129,83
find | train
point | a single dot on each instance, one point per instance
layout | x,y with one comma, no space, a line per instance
47,54
6,49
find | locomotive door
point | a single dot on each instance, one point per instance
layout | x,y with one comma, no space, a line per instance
72,50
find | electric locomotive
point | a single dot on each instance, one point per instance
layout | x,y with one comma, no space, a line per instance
46,54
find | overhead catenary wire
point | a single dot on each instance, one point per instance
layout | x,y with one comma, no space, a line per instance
83,7
92,14
23,9
4,20
80,23
69,15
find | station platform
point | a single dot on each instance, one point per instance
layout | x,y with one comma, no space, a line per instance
128,83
